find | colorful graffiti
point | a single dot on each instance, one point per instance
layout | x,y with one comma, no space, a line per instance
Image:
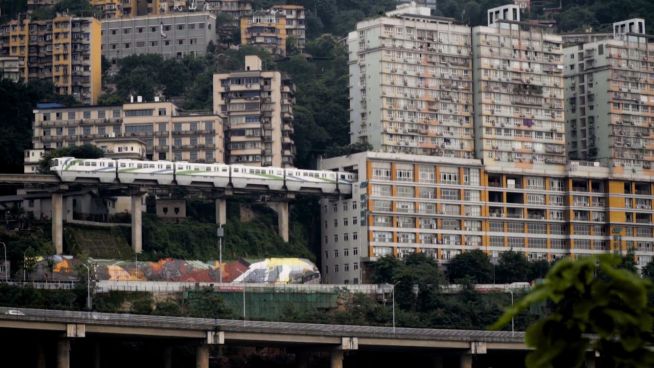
269,270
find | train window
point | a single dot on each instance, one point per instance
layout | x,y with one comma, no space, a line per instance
122,165
167,166
87,164
236,170
139,166
93,164
208,168
110,164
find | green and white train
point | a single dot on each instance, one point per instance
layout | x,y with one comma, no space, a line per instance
105,170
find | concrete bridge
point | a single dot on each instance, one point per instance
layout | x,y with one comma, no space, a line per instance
205,333
279,201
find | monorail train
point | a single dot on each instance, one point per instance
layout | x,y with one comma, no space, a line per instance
107,170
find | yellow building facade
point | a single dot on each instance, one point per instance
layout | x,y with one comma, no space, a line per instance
265,29
404,204
66,50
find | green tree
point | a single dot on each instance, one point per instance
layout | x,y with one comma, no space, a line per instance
648,270
538,269
512,267
383,271
474,265
594,305
207,303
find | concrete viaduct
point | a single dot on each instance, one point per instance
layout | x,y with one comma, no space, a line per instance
52,184
337,339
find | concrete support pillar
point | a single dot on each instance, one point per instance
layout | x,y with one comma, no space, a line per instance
282,218
63,353
202,356
58,222
465,360
221,211
137,223
40,355
437,362
97,360
336,359
302,359
168,357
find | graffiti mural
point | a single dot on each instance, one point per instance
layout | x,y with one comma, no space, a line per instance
269,270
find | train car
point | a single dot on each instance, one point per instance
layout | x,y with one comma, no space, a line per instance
71,168
254,176
130,171
345,181
315,180
214,174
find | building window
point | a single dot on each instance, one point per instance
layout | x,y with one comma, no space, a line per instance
336,252
346,267
336,241
335,268
355,266
345,223
355,250
346,252
354,220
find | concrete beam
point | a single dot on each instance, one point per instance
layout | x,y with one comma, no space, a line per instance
282,218
221,211
58,222
75,330
336,358
137,222
294,339
437,344
202,356
146,331
63,353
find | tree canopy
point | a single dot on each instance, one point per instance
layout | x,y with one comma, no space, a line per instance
594,305
474,265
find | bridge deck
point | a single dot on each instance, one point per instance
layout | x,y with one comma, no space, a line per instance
259,331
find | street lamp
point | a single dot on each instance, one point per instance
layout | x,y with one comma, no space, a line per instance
512,320
24,265
393,296
5,264
88,286
220,233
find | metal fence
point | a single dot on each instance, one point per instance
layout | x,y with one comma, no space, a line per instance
104,286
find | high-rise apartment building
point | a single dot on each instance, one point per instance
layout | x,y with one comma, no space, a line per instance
167,132
234,8
295,23
610,104
10,68
518,79
403,204
169,35
258,109
411,84
110,8
265,29
65,50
